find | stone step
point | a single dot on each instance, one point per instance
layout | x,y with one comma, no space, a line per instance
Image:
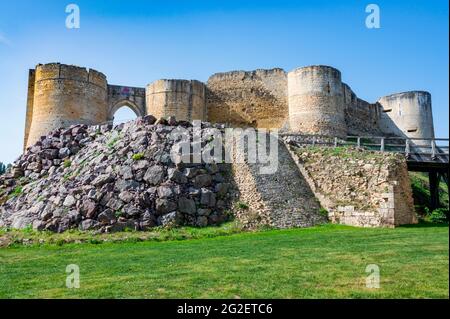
282,199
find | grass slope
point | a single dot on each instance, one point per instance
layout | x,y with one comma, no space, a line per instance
421,191
322,262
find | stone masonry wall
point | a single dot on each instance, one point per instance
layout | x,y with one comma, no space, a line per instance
407,114
359,188
30,103
256,98
308,100
119,96
65,95
316,103
282,199
180,98
362,117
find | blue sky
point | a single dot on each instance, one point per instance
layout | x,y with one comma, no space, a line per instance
137,42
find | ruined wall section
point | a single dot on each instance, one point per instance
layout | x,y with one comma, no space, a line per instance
316,102
255,98
308,100
65,95
281,199
361,117
30,104
359,188
183,99
407,114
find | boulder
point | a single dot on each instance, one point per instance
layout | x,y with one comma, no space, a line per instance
154,175
187,205
202,180
164,206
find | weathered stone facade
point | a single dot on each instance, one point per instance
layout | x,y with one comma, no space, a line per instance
311,100
180,98
407,114
316,101
63,96
359,188
256,99
361,117
132,97
283,199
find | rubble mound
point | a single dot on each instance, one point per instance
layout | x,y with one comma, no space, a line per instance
112,178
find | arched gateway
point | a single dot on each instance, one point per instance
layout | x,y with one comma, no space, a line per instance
132,97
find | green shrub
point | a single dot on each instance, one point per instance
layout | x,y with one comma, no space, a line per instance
439,215
60,242
28,229
421,193
16,192
137,157
242,205
67,163
113,141
323,212
94,241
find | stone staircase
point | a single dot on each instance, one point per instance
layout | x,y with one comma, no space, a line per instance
282,199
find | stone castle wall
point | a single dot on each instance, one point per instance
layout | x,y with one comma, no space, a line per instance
359,188
361,117
371,191
180,98
310,100
256,99
407,114
63,96
132,97
316,102
30,103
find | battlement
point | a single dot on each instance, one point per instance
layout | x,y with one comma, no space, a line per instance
246,74
311,99
58,71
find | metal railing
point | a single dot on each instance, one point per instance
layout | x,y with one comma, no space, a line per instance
434,148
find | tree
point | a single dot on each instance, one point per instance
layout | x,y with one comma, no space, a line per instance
2,168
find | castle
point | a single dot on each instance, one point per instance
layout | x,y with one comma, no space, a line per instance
310,100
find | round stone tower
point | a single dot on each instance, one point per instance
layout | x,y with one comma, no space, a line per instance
65,95
180,98
316,102
407,114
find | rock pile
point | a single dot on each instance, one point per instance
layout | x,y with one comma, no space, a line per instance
111,178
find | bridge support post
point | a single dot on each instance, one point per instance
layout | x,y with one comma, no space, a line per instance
434,189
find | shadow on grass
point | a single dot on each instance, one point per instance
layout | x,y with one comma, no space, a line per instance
424,224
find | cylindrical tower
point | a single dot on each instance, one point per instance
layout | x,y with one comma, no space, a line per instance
65,95
316,103
407,114
180,98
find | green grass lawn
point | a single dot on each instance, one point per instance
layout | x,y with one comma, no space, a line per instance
322,262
